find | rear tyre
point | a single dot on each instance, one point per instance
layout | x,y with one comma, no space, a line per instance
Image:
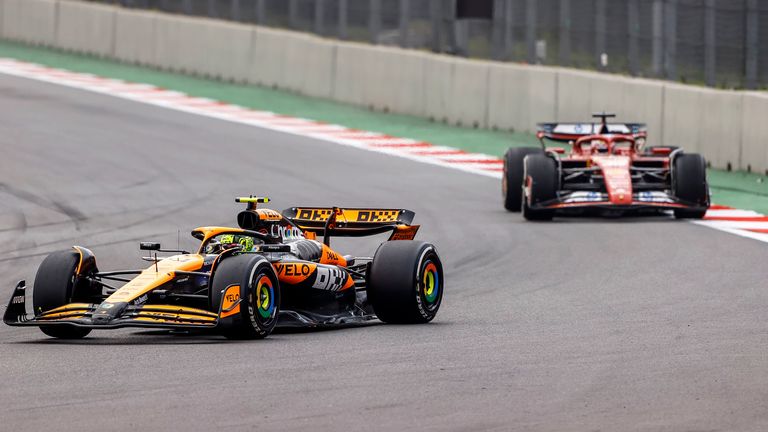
689,184
542,180
512,178
254,306
405,282
54,287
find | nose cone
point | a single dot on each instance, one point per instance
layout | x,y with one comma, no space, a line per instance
106,312
618,181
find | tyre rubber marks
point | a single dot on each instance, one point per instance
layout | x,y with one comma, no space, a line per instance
411,149
740,222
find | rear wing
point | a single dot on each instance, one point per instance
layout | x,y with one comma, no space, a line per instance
565,132
354,222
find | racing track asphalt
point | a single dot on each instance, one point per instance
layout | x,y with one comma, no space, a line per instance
580,324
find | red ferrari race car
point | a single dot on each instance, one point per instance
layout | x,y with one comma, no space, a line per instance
608,169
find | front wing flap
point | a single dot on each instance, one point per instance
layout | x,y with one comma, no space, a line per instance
645,199
80,315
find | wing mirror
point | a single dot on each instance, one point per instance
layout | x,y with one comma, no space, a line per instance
150,246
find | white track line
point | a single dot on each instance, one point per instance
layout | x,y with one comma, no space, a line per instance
448,157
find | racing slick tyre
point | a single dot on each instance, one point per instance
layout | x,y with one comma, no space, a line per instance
689,184
249,312
541,172
405,282
512,178
54,287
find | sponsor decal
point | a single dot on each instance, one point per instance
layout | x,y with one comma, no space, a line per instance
17,299
377,215
107,305
230,303
315,214
404,232
269,215
330,279
294,269
286,233
141,300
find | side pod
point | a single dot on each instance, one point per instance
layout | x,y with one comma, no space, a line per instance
16,312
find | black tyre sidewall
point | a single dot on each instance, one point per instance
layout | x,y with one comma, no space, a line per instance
542,171
54,287
395,289
689,184
513,176
245,270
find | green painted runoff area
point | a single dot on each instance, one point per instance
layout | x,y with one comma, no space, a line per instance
736,189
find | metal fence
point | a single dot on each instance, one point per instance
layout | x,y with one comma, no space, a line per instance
712,42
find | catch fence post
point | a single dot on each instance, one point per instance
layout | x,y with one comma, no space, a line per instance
752,45
343,16
498,27
405,22
710,43
234,12
633,33
436,15
261,11
657,48
670,38
600,28
530,30
374,20
319,18
564,49
293,14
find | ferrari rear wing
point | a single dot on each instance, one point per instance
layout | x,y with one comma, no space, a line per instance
354,222
565,132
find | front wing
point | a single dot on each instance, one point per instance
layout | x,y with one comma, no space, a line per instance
81,315
589,199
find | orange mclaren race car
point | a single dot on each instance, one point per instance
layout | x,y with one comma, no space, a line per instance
608,169
244,281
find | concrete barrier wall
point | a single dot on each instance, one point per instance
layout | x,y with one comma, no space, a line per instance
30,21
728,127
86,28
519,97
135,37
754,130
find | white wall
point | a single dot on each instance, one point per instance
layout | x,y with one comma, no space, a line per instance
728,127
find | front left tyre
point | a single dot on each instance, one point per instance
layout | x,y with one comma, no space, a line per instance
406,282
247,287
55,286
541,184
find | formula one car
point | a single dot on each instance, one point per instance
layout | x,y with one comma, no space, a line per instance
607,169
242,282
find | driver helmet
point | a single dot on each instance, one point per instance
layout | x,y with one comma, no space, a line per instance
232,240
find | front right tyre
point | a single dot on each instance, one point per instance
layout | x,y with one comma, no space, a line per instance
55,286
689,184
513,176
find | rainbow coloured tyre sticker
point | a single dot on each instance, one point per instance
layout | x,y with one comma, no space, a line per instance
430,282
266,297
